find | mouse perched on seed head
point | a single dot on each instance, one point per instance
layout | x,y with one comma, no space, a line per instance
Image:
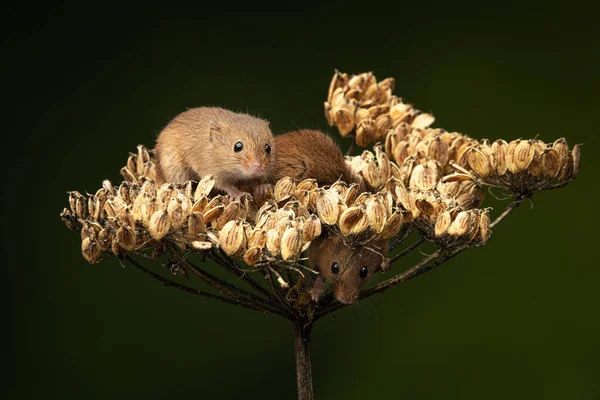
308,153
236,148
346,267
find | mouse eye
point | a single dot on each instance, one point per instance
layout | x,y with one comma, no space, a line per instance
363,272
238,147
268,149
335,268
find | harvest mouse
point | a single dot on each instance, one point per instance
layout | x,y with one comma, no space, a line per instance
347,268
236,148
311,154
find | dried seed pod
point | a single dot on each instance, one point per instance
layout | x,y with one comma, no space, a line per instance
126,238
311,229
461,224
127,174
204,187
159,224
123,191
307,184
478,162
126,219
371,174
562,148
376,214
291,243
422,121
137,208
425,176
328,113
350,218
339,80
232,237
252,255
149,187
198,245
231,212
438,150
257,238
366,130
273,242
166,192
576,159
327,206
343,117
443,222
284,188
523,155
498,161
90,250
351,194
392,226
114,206
550,163
425,207
213,213
105,238
484,227
196,224
148,209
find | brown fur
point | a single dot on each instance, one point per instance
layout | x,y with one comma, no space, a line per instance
311,154
201,141
330,248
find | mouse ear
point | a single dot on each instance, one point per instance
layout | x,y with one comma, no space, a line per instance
213,126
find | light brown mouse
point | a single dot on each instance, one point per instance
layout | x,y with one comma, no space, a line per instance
238,149
347,268
312,154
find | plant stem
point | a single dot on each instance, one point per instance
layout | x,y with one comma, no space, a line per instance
511,207
302,333
350,148
407,250
187,289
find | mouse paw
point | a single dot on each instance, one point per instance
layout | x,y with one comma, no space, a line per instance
237,195
317,289
262,191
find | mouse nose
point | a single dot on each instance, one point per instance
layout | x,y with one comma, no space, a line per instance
256,165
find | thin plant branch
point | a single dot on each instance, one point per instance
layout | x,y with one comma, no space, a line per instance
404,233
350,148
226,287
511,207
407,250
279,295
168,283
232,267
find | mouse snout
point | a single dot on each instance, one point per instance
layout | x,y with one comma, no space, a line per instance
345,296
254,165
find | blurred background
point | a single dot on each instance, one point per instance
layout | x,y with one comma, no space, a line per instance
85,84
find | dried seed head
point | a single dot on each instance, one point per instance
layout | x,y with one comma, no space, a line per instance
149,187
159,224
438,150
213,213
343,116
291,243
366,130
252,255
105,238
232,237
370,174
576,159
148,209
422,121
499,148
198,245
126,219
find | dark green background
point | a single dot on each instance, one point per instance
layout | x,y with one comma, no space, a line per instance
86,84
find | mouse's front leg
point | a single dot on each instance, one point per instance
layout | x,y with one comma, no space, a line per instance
317,288
233,192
